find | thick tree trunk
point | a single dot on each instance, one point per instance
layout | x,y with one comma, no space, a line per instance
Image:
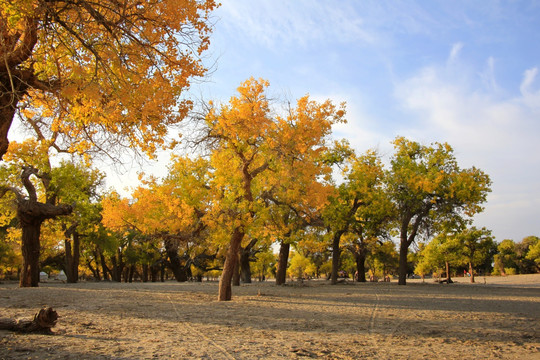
283,260
131,273
236,273
335,256
154,272
403,266
145,273
118,267
175,262
43,321
30,253
162,272
105,269
231,260
245,264
31,214
360,258
8,107
72,258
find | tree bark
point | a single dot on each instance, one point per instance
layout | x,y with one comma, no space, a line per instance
145,273
360,258
175,262
245,267
246,254
236,273
117,266
231,261
30,254
448,279
155,270
8,107
403,266
104,268
31,214
281,273
335,256
72,257
43,321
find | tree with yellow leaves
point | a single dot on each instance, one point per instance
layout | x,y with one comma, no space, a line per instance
100,74
260,158
167,215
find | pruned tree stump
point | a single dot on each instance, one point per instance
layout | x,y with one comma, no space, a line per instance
42,323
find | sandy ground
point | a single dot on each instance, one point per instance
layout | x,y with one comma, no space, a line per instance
496,320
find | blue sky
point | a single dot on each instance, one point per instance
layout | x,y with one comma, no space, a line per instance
462,72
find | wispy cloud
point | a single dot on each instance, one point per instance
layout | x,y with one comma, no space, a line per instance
294,23
497,134
454,53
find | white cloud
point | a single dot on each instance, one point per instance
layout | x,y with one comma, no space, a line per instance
454,53
499,135
274,24
528,79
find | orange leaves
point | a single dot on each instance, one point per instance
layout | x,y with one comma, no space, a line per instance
104,70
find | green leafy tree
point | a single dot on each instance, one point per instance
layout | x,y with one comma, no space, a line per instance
527,264
27,177
428,189
78,185
477,247
534,253
441,253
506,259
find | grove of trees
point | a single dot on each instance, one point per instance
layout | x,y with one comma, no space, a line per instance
264,192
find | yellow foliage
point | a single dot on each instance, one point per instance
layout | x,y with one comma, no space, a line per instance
106,70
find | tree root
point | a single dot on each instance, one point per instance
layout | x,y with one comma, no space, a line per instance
43,321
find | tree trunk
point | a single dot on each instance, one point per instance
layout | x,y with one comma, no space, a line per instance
360,258
471,272
236,273
154,272
231,260
104,267
335,256
30,253
118,267
31,214
245,264
448,279
245,267
175,262
95,271
403,266
281,273
162,272
8,107
43,321
145,273
72,257
131,273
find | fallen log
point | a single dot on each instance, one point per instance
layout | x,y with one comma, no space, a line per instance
43,321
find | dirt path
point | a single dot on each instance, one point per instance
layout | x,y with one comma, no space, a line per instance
347,321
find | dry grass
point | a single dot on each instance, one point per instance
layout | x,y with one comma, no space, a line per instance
317,320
